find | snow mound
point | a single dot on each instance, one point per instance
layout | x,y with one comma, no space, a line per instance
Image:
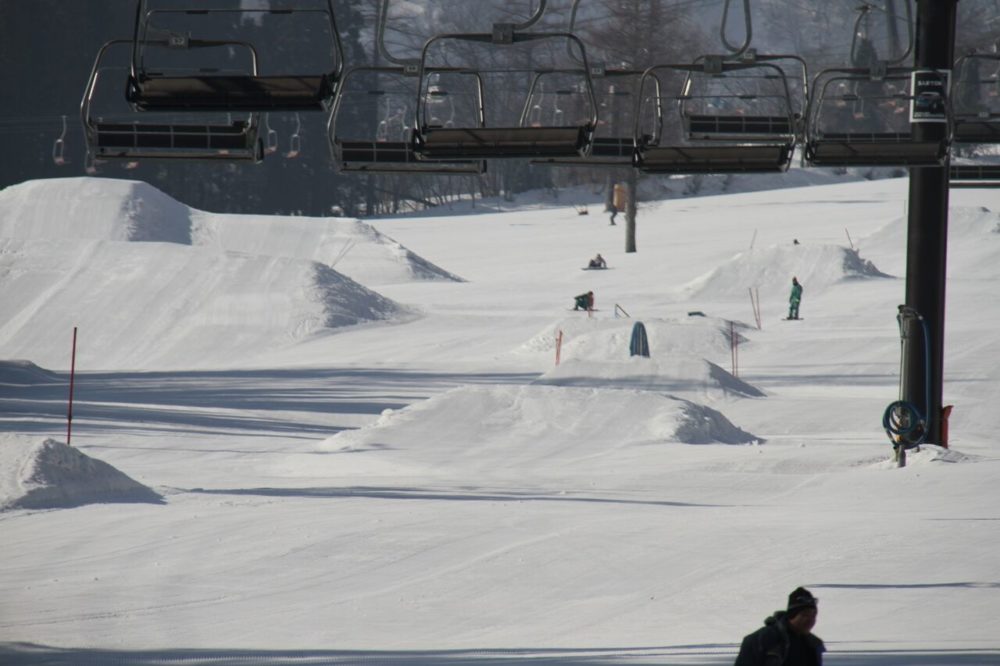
595,353
816,266
347,303
26,373
670,375
351,246
927,454
51,474
491,427
93,208
143,305
126,210
596,339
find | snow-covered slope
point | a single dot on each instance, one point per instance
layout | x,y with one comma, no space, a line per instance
435,489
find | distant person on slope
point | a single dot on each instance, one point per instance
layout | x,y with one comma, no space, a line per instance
597,262
584,301
786,639
794,299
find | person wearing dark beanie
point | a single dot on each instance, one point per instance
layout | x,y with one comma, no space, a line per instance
786,639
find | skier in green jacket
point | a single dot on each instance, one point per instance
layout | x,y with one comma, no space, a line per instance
794,299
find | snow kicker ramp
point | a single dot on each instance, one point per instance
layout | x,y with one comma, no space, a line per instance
484,430
168,305
125,210
770,269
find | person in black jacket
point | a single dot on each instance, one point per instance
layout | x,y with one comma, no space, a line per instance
786,639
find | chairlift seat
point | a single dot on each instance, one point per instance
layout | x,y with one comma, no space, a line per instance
745,158
394,157
230,92
974,175
237,141
622,147
977,130
604,151
447,143
873,149
715,127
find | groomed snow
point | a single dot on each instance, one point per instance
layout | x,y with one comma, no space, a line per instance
323,441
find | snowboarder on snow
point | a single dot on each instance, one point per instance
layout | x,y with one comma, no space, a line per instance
786,639
584,301
597,262
794,299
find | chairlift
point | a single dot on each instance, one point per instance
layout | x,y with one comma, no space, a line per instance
612,143
186,88
732,116
476,140
860,117
974,175
975,122
59,147
90,164
130,135
295,140
270,136
379,141
975,100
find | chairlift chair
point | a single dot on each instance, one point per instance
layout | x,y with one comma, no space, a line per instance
975,100
479,141
134,135
725,128
295,140
384,145
270,136
212,89
878,133
974,175
59,147
612,143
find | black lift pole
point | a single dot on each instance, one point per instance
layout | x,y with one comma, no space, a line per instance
927,235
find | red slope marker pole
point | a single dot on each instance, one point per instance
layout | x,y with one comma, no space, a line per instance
72,380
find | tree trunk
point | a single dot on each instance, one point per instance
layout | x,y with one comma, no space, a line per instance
631,209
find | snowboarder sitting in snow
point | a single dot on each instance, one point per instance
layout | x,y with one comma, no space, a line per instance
597,262
794,299
786,639
584,301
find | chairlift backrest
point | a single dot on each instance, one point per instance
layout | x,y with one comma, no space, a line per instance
192,79
975,99
127,134
479,139
857,120
370,126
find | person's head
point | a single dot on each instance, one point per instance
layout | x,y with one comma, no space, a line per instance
795,280
802,611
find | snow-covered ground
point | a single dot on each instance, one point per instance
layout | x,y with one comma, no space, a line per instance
321,441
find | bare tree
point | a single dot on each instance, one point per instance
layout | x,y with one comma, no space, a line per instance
636,34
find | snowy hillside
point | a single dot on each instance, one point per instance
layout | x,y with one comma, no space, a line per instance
297,441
